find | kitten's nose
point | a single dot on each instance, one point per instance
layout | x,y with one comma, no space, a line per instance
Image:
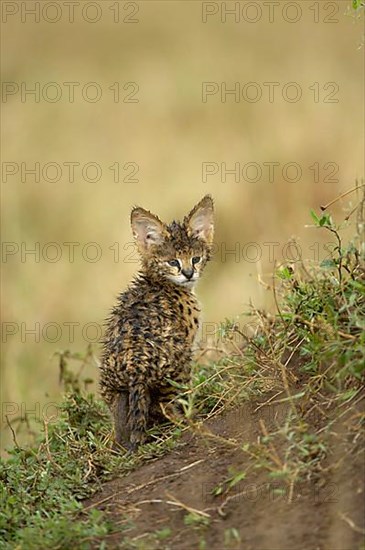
188,273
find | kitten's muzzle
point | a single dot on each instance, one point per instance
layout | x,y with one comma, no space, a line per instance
188,273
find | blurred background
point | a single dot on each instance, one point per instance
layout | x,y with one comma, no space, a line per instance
113,104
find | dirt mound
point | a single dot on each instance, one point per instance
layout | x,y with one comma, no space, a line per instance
209,493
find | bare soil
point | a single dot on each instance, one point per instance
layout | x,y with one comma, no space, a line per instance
323,512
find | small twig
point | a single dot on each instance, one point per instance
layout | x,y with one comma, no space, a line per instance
292,353
262,282
205,432
349,522
289,398
252,343
177,502
274,455
339,248
350,214
291,488
89,469
285,325
233,497
174,502
323,208
188,466
268,401
315,406
45,423
240,352
102,501
12,432
286,386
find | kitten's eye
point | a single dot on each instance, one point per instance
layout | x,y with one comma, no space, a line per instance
174,263
195,260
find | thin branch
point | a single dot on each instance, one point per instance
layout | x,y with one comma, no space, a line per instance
353,526
12,432
285,325
274,454
177,502
323,208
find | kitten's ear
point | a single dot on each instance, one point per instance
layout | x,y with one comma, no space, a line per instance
200,221
147,229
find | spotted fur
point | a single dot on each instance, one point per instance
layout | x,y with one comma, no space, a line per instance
152,328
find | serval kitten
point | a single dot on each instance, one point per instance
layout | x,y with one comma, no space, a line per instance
151,330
